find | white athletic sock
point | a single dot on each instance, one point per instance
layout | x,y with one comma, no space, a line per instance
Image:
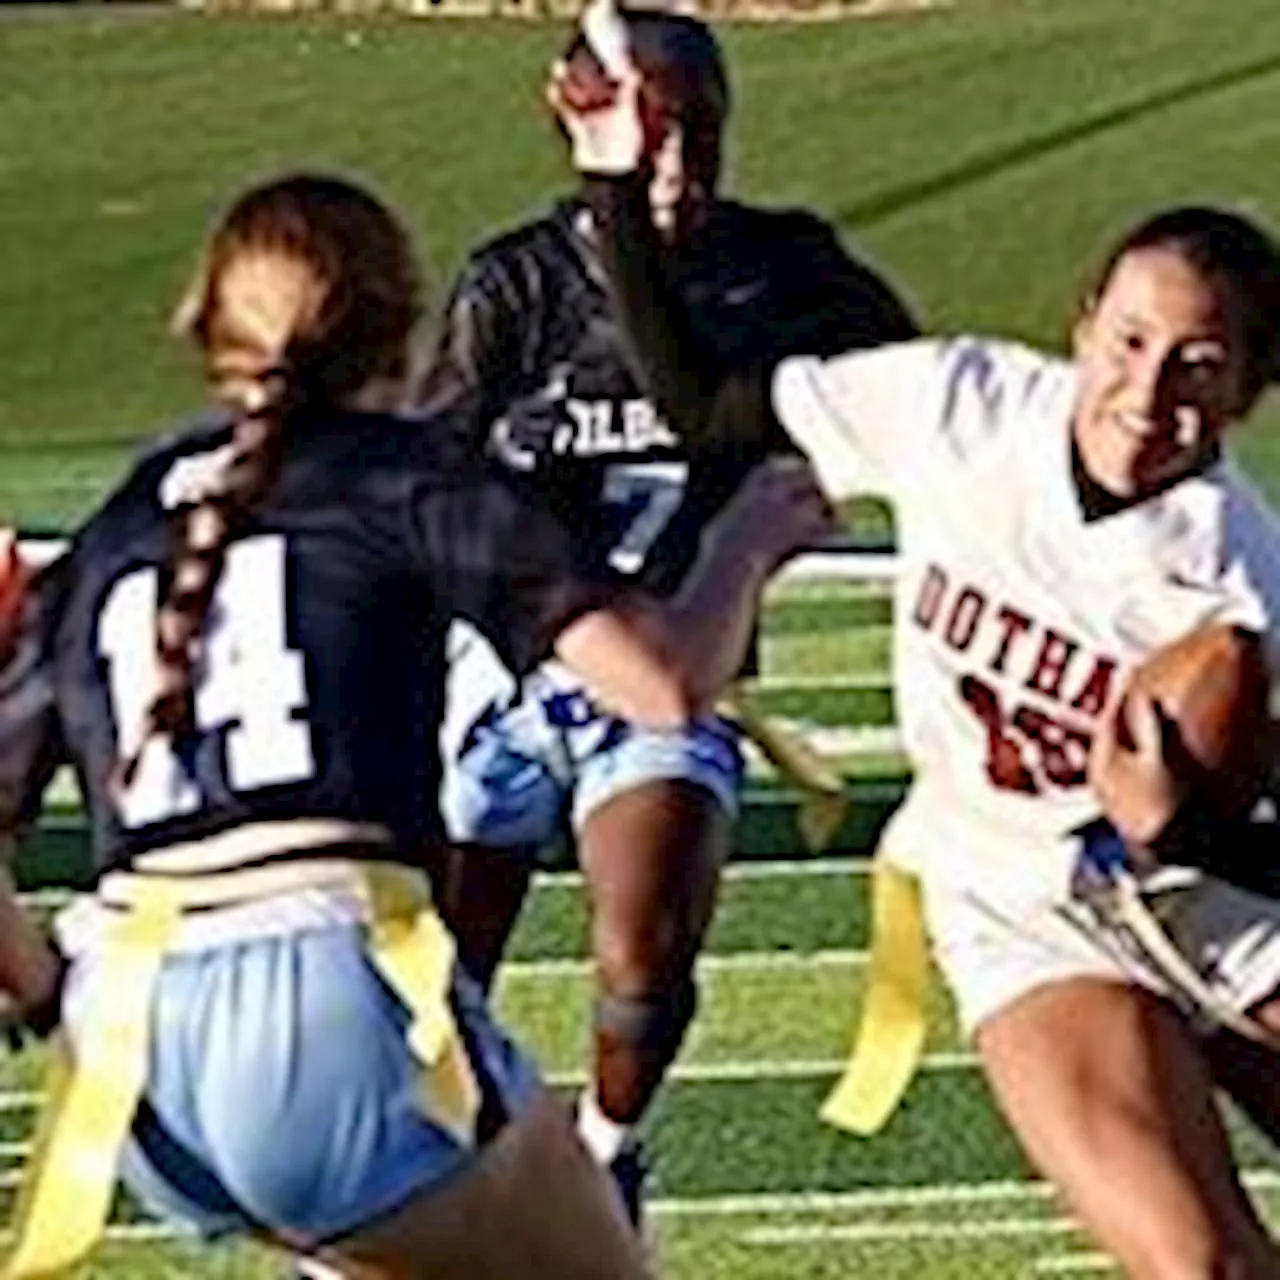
310,1269
602,1137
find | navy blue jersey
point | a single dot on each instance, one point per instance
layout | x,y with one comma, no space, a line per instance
532,343
320,688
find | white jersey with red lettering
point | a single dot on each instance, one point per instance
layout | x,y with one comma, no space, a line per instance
1016,617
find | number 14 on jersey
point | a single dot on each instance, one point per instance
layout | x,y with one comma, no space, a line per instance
249,683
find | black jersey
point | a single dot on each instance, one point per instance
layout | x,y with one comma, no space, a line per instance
320,689
530,335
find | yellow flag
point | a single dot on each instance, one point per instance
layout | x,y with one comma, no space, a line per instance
824,798
890,1040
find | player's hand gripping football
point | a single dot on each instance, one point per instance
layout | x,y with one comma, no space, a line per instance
1128,770
1194,715
778,511
596,95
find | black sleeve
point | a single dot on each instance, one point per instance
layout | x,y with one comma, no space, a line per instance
507,565
1239,851
707,405
836,303
477,351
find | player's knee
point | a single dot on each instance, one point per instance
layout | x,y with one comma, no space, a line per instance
653,1025
636,956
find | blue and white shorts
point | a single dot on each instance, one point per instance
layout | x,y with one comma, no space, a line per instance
521,764
282,1093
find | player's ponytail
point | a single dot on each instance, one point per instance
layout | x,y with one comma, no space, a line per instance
306,298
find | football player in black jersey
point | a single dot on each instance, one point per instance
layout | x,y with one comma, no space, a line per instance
530,343
242,655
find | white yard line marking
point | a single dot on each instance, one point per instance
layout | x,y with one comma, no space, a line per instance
766,1205
728,1072
733,1072
733,962
846,740
800,867
878,1231
830,1202
861,566
1073,1263
45,899
937,1195
788,683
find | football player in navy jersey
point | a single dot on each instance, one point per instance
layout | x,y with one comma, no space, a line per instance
530,343
242,655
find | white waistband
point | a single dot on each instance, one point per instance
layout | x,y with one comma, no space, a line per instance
252,841
294,896
81,927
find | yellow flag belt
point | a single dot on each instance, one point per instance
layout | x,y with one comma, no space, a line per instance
824,798
92,1097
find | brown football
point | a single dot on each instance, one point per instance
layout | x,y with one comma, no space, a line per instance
1211,686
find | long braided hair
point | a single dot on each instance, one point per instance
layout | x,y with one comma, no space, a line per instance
308,292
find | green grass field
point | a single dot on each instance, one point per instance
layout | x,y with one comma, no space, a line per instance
982,153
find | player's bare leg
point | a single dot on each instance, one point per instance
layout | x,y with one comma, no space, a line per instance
479,891
1113,1100
532,1205
652,859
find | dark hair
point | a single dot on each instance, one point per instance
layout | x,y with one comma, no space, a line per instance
683,74
1239,259
679,56
307,291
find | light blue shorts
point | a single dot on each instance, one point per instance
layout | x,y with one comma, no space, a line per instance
282,1092
529,766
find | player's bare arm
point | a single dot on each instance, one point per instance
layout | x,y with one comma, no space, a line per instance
701,634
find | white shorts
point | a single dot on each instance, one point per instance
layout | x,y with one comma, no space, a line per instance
991,953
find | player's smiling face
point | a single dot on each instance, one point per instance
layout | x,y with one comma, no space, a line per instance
1160,375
